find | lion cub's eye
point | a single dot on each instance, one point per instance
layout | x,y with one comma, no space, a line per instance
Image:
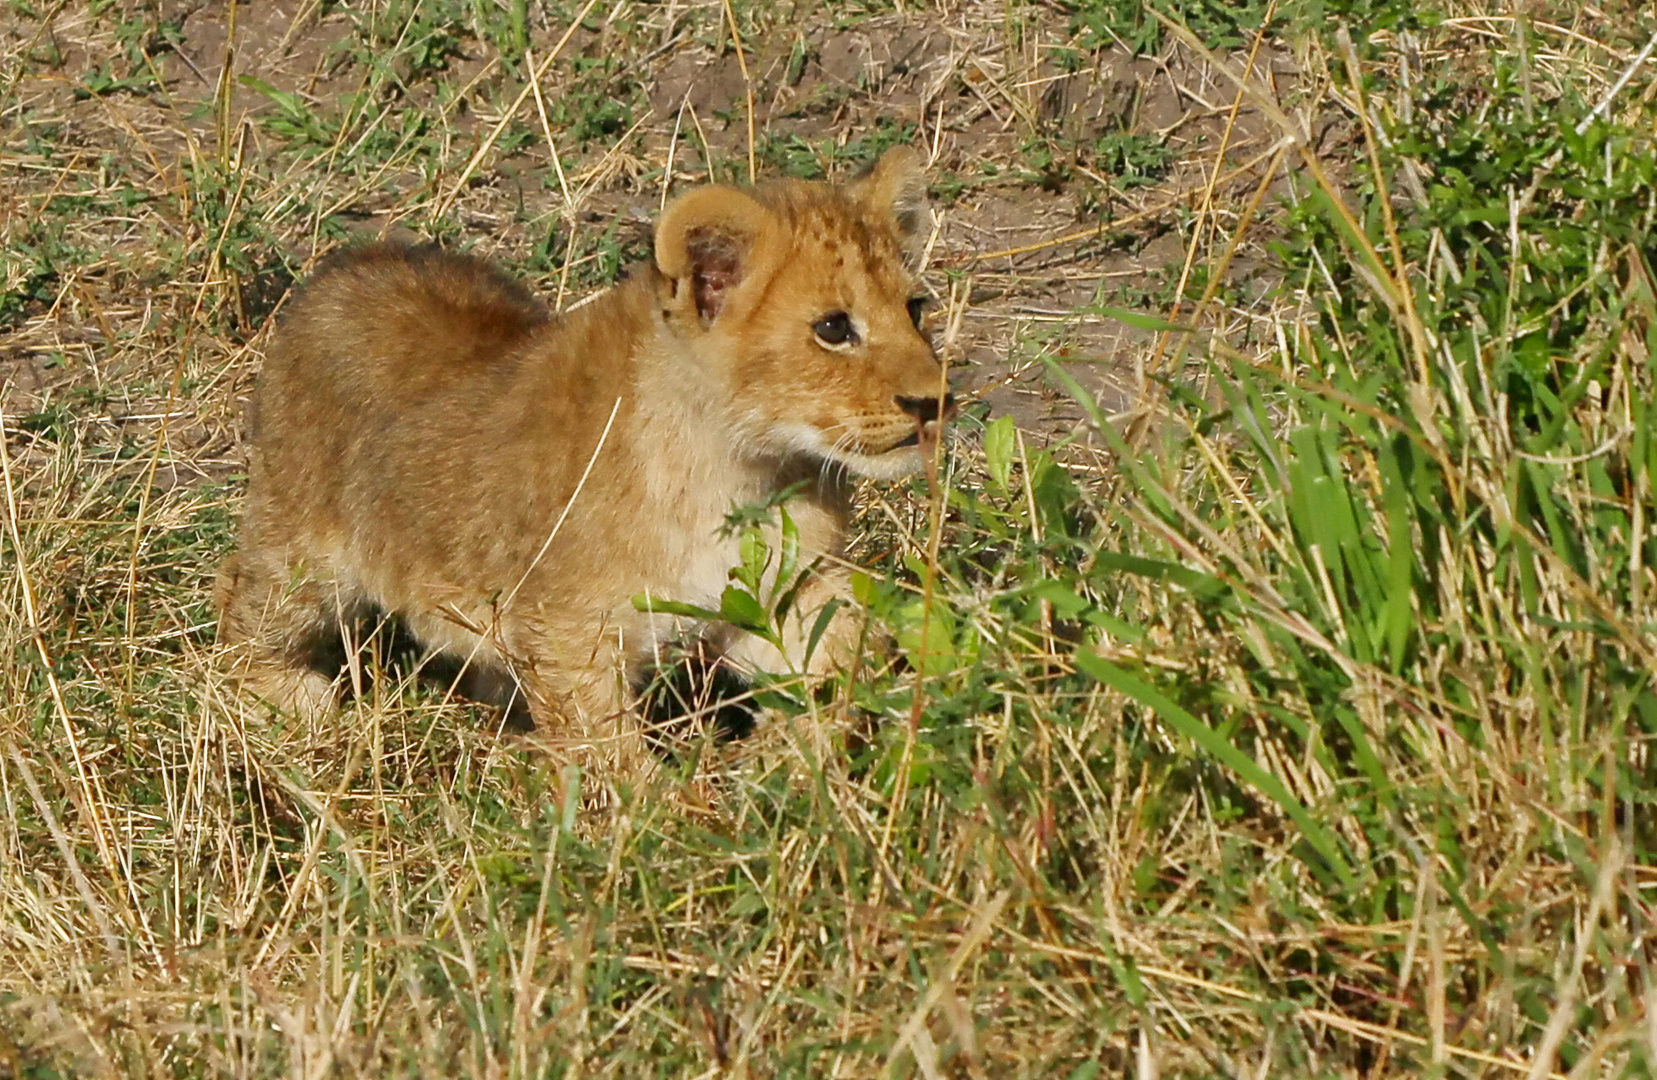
835,328
917,309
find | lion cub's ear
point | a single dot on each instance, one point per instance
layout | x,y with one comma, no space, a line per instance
706,240
897,187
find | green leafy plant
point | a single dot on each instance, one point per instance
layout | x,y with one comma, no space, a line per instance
764,585
1132,160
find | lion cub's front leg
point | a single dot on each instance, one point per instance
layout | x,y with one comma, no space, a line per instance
577,699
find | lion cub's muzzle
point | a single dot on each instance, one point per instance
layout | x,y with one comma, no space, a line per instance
929,417
925,409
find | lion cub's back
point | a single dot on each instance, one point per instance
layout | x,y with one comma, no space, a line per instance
387,319
381,341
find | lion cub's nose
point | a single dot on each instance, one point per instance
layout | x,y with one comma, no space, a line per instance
925,409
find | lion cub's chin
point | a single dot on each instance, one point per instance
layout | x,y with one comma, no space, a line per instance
888,466
891,465
905,458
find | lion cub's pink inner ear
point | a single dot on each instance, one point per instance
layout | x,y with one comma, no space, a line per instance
716,266
707,239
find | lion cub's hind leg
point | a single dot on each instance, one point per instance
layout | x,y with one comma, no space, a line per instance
469,663
282,623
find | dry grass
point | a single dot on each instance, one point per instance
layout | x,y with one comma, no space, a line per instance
1223,757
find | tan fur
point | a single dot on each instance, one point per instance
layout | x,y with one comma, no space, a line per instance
422,428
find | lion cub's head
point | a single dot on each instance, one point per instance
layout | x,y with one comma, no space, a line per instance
799,297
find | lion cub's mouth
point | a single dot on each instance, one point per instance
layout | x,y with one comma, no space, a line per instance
922,436
905,455
884,453
917,438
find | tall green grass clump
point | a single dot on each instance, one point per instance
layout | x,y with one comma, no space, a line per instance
1335,680
1392,580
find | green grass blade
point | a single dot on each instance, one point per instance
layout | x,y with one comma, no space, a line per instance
1322,840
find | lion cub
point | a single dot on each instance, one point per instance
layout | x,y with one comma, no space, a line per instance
428,442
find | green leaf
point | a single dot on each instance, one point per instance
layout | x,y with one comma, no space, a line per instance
1366,258
756,553
1116,628
1127,977
1205,585
1084,398
820,626
1000,438
1396,616
929,642
740,608
788,546
657,606
748,903
864,590
1066,604
1138,319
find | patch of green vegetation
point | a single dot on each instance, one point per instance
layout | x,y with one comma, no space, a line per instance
1128,159
1101,24
1439,486
1132,159
131,68
817,159
603,101
35,258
